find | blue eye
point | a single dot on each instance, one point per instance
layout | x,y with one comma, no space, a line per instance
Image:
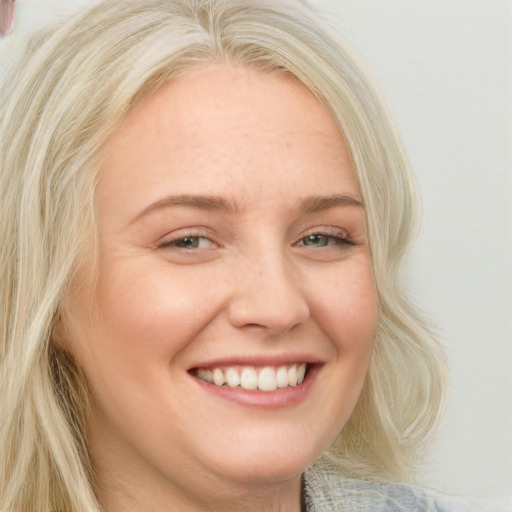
189,242
317,240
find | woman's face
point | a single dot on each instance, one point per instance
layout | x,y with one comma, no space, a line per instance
232,247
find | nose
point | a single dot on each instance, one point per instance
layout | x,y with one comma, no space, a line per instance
268,296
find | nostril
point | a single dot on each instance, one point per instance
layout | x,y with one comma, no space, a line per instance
7,12
265,312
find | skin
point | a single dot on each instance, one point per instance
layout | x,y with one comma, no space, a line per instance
246,284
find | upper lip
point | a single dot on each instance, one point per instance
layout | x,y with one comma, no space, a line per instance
260,360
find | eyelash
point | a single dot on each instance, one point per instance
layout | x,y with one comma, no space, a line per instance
330,236
339,240
173,242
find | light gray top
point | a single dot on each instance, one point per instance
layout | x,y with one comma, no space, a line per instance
327,490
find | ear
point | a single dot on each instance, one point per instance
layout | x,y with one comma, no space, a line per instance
61,332
58,333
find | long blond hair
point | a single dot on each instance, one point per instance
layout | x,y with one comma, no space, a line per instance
72,86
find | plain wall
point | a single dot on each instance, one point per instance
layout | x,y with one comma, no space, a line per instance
445,67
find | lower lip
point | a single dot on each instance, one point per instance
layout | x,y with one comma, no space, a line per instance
278,399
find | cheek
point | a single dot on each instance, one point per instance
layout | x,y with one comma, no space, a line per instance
144,318
347,313
152,311
345,304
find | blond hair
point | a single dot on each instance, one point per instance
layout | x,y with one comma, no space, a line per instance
72,87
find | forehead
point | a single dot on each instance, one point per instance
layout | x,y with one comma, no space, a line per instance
224,127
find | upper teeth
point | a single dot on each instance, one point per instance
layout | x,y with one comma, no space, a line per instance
268,378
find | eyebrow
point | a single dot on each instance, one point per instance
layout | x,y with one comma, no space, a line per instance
319,203
207,203
215,203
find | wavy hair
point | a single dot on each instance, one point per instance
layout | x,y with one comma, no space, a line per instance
71,87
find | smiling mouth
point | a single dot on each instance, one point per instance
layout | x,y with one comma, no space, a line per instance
253,378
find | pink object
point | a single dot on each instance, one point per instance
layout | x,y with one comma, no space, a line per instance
6,17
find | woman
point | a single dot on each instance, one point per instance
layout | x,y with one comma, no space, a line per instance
204,210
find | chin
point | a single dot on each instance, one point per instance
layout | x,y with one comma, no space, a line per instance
266,463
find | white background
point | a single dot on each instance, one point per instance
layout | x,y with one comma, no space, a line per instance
445,67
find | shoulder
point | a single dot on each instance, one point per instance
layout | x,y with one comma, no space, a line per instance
328,490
